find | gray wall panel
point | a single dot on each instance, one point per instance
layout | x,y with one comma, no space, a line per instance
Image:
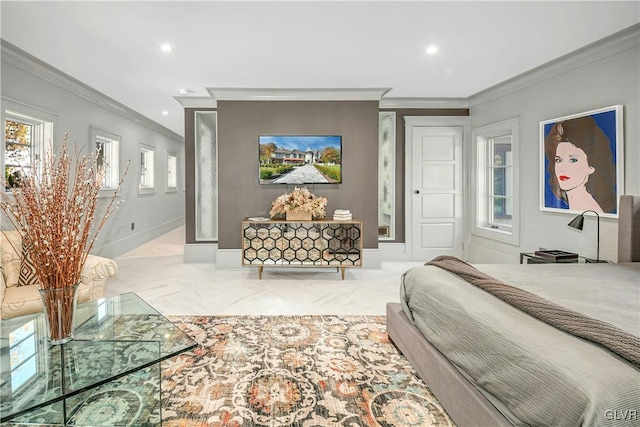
240,123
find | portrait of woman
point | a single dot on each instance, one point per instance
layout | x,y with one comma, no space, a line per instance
581,166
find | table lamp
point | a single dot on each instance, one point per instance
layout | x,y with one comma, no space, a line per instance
578,223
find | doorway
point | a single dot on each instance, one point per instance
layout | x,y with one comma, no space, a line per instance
434,186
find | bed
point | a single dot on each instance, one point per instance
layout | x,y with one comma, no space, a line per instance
491,364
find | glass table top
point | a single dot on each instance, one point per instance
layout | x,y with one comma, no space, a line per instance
113,337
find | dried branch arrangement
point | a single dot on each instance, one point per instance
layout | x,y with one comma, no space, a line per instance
299,200
55,211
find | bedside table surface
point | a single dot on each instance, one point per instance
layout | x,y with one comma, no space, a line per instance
532,258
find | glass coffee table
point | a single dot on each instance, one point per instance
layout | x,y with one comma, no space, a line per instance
109,374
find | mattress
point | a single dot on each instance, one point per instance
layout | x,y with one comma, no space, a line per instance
534,373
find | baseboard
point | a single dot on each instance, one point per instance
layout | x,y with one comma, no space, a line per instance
229,259
371,259
393,251
484,255
126,244
201,253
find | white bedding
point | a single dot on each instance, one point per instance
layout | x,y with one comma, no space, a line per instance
534,373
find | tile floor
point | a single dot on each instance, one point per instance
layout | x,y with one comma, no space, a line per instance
155,272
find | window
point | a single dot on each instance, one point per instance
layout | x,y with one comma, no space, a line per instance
147,170
172,172
24,143
495,198
499,173
107,148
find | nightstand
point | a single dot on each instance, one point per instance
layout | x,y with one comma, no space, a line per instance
532,258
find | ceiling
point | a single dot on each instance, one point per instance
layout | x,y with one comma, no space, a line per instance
114,47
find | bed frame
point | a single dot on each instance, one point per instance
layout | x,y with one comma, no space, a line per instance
463,402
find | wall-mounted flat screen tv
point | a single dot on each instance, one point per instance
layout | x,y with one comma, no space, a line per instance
300,159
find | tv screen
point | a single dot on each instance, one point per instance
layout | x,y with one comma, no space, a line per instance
300,159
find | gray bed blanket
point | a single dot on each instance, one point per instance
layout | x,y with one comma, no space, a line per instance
609,336
535,373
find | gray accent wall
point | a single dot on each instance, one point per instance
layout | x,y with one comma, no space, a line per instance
240,195
603,75
29,82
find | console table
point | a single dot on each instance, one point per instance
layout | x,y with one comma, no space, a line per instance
117,347
315,243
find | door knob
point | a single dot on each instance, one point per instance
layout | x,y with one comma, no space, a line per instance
416,191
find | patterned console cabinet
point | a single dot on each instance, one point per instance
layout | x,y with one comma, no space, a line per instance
316,243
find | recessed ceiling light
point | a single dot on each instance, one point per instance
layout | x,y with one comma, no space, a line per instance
165,113
185,91
166,47
432,49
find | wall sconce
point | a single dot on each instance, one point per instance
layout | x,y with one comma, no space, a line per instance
578,223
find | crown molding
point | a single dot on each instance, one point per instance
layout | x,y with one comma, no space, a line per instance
424,103
616,43
297,94
196,101
28,63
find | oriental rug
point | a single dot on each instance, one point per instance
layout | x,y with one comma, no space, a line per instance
301,371
298,371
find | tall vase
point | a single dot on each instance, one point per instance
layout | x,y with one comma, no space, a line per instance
59,307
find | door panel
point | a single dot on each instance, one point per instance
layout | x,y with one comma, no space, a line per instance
437,236
438,177
438,206
438,147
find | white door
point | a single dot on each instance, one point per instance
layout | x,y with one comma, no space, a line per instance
436,192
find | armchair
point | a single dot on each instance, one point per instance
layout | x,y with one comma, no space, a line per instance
20,300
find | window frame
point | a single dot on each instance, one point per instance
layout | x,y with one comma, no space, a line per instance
35,144
112,172
482,197
148,188
46,127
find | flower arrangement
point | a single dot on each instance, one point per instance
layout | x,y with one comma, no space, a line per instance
299,200
54,211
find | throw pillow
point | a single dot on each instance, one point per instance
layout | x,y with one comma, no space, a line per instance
27,270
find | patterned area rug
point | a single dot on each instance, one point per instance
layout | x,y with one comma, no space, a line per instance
301,371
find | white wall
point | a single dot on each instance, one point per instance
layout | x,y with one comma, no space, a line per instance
28,81
602,75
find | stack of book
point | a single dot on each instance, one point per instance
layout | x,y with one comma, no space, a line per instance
342,215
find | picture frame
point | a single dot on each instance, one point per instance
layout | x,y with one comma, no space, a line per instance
300,159
581,162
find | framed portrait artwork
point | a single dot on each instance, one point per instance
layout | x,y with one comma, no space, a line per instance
582,161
